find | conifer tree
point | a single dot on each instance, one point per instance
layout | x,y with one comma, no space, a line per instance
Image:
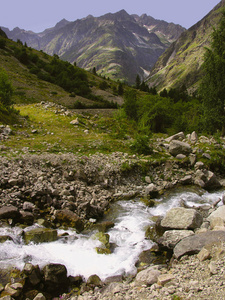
212,88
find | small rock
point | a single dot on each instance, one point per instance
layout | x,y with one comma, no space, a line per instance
165,278
204,254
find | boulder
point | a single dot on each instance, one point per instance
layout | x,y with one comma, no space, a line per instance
186,180
9,212
70,219
32,273
171,237
218,213
177,136
40,235
193,137
148,276
13,290
178,147
55,278
193,244
94,280
152,190
206,179
182,218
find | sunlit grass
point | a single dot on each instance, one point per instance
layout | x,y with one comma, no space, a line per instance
51,131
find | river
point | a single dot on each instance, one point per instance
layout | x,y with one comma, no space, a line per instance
77,252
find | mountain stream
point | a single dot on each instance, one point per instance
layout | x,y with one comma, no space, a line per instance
78,252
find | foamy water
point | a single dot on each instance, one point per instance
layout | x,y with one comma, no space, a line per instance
78,252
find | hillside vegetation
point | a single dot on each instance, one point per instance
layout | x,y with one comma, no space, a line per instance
181,63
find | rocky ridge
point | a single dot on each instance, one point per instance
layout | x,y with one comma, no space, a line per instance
118,45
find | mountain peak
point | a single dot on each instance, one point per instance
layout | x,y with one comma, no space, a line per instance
61,23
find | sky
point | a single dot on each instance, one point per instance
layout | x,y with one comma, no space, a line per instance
37,15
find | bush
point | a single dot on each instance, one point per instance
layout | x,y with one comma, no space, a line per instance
6,89
141,145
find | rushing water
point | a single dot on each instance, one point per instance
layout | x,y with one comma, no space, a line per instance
78,252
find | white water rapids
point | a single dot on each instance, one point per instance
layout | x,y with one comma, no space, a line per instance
78,252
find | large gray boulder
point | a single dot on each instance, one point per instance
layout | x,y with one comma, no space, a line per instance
193,244
171,237
182,218
178,147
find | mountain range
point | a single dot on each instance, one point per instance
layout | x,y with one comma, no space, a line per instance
118,46
181,64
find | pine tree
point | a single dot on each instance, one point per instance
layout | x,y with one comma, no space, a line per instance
212,88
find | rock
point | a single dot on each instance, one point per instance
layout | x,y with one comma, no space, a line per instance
182,218
178,147
104,239
4,238
180,156
206,179
70,219
55,278
9,212
193,137
204,254
165,278
192,159
218,213
116,278
6,298
14,290
148,276
152,190
216,222
193,244
104,226
33,274
171,237
40,235
39,296
94,280
26,217
75,122
199,165
186,180
212,268
177,136
28,206
206,155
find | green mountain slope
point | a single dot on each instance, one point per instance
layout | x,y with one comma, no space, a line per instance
181,63
119,45
37,77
